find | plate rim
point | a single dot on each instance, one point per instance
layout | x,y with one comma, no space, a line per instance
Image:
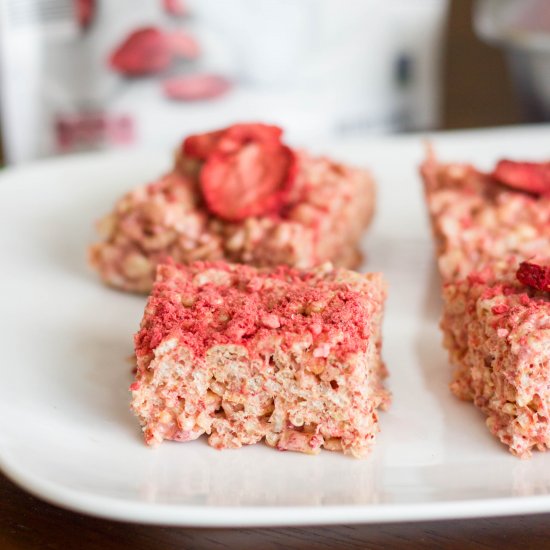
178,515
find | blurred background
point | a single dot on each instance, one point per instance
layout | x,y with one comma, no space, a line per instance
80,75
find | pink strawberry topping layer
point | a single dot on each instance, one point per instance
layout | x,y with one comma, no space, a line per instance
243,304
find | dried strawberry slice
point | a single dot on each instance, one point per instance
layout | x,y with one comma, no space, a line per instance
249,173
535,273
183,44
531,177
239,134
144,51
195,87
247,170
175,7
200,146
251,182
85,11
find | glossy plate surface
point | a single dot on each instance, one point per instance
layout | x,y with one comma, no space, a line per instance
66,433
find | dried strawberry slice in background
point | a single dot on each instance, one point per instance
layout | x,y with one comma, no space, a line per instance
85,11
183,45
531,177
144,51
195,87
175,7
535,273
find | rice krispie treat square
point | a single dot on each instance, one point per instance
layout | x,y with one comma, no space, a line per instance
498,337
241,195
245,354
496,328
494,220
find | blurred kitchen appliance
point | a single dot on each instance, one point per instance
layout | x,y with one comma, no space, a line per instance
522,29
99,74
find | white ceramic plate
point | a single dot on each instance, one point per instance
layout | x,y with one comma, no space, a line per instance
66,433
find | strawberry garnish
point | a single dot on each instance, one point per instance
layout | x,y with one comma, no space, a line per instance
535,274
145,51
175,7
200,146
247,170
251,182
530,177
183,44
85,11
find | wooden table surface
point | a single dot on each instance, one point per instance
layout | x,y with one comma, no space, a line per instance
477,93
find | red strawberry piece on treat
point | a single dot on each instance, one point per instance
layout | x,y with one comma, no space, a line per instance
248,173
85,11
531,177
195,87
175,7
145,51
535,273
199,146
243,133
